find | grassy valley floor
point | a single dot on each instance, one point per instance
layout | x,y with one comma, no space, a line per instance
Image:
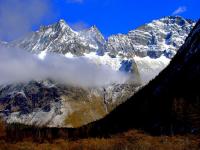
131,140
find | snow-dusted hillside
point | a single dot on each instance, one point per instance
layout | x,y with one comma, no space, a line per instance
150,46
143,53
60,38
160,37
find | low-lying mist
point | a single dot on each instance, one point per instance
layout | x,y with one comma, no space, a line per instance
17,66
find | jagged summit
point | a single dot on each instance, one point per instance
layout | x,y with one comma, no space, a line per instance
93,30
169,104
178,19
60,38
62,21
159,37
62,25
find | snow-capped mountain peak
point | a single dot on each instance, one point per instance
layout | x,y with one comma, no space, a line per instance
62,25
60,38
142,53
161,36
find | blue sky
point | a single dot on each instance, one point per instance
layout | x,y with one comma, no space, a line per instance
120,16
19,17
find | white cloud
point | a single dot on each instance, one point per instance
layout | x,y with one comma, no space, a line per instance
18,66
19,16
78,26
180,10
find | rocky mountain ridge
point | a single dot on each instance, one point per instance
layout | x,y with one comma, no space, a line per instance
159,37
169,104
143,52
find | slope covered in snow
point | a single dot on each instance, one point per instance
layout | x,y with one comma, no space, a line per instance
159,37
150,46
60,38
168,105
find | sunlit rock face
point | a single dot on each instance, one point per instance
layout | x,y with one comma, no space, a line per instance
60,38
160,37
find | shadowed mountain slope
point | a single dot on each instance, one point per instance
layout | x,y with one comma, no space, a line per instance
169,104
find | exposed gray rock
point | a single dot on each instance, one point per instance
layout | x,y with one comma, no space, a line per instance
60,38
163,36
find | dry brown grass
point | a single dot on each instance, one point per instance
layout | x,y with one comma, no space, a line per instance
85,112
132,140
2,129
